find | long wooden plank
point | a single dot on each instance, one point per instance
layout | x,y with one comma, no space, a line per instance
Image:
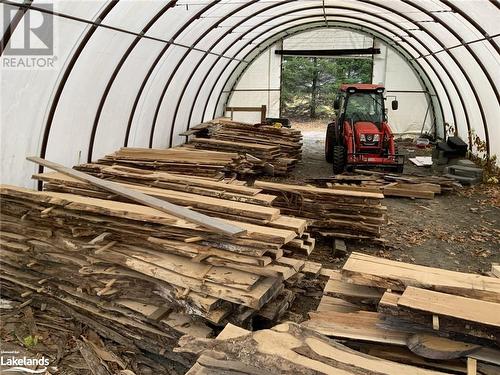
328,303
312,190
473,310
357,325
389,306
182,212
379,272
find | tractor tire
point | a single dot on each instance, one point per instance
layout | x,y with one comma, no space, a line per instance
330,142
339,159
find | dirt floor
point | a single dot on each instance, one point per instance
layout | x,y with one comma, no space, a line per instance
458,231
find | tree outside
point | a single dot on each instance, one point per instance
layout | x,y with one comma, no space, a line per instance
309,84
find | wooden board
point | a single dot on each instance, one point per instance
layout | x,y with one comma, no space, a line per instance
472,310
328,303
312,190
495,270
182,212
358,325
379,272
352,292
389,305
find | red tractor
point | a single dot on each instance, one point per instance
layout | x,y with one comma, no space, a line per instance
360,135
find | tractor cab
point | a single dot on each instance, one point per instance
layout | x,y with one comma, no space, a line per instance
360,135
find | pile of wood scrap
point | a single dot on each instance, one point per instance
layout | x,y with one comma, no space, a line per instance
391,185
423,316
46,333
272,150
181,160
330,212
287,348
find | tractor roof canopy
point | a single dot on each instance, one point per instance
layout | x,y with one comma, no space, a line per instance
361,87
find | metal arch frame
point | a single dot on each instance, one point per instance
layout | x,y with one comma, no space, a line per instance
117,69
153,66
104,26
99,20
469,19
262,23
471,86
357,10
456,35
227,49
64,79
430,65
410,44
181,60
214,44
360,28
453,57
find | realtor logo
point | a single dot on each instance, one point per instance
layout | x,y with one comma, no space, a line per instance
34,35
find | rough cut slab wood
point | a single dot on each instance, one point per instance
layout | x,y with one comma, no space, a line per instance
357,325
472,310
404,355
139,213
435,347
289,349
328,303
203,220
181,198
379,272
353,292
312,190
388,305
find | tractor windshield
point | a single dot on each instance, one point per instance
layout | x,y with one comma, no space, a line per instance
365,107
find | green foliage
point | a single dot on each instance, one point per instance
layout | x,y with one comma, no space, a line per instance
489,164
311,83
30,341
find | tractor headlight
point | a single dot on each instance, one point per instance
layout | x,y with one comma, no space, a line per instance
376,137
362,138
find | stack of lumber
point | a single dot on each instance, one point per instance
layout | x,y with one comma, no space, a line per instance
424,316
329,212
391,185
264,158
287,348
289,140
118,239
231,190
181,160
266,146
346,215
